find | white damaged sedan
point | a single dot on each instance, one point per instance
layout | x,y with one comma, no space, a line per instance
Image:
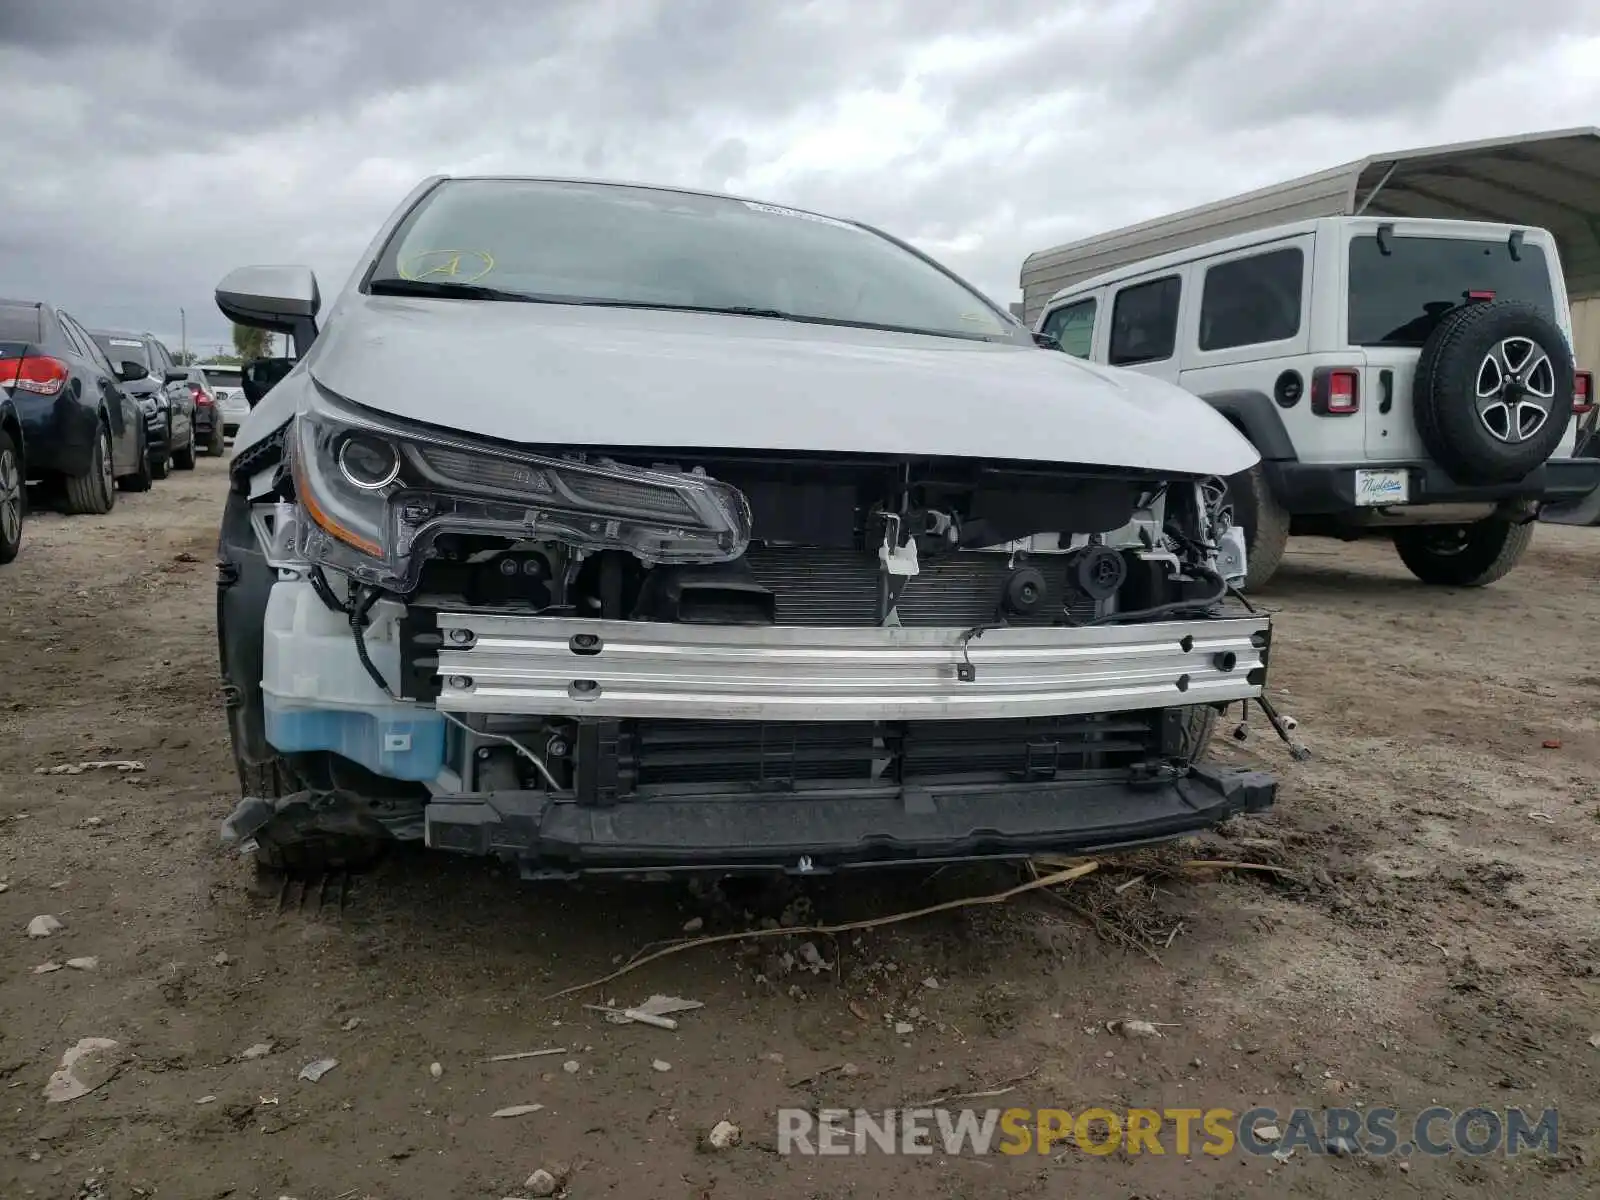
606,527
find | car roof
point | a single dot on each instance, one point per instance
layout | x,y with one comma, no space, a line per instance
1217,247
122,333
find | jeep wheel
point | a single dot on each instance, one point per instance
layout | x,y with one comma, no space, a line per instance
1463,555
1493,391
1266,526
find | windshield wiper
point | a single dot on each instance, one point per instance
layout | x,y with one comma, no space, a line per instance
777,314
736,310
446,290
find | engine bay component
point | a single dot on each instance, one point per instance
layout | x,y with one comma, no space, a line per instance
1025,591
1101,571
714,594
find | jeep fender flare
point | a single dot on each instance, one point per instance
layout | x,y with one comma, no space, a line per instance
1255,415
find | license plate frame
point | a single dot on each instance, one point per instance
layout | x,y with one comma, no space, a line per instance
1376,488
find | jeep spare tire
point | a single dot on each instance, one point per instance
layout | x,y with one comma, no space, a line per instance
1493,391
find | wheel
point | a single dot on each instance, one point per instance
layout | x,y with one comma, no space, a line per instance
184,459
299,843
1266,526
216,447
13,498
1199,721
1493,391
162,469
143,479
1463,556
95,491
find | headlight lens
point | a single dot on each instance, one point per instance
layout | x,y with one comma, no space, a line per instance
368,462
377,492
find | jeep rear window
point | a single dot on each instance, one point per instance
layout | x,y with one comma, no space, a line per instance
1397,299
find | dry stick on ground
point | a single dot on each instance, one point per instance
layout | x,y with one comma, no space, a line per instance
1103,926
1042,881
999,1089
1210,864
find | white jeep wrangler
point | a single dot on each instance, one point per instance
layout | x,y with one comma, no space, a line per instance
1412,377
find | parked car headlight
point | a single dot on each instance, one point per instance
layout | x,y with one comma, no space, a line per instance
376,493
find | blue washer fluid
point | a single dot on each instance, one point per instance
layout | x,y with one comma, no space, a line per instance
406,744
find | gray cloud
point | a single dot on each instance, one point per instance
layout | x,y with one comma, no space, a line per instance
192,136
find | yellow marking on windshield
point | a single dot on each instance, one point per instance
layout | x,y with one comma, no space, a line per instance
448,263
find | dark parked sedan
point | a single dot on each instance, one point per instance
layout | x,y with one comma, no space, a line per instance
208,416
77,430
162,389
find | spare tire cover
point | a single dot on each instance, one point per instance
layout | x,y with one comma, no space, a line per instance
1493,391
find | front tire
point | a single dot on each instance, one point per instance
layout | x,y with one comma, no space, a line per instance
1265,523
1199,722
163,468
1463,556
94,493
184,459
143,479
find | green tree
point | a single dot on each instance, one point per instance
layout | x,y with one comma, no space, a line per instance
251,343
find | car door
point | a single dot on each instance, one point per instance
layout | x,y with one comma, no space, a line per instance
122,410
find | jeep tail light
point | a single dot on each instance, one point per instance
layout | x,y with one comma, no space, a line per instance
39,374
1583,393
1335,391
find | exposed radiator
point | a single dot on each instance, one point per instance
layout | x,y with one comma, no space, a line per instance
840,587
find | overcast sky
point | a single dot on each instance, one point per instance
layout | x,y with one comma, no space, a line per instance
151,145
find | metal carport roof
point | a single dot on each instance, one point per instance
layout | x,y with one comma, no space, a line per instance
1546,179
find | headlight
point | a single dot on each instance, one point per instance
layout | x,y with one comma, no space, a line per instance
377,492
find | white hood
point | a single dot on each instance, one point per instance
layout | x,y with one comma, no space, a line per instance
573,376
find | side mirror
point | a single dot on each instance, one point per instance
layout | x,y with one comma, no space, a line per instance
260,375
280,299
129,371
1047,341
176,376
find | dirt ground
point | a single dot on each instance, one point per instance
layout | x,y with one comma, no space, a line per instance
1435,941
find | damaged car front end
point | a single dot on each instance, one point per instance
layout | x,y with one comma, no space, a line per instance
732,586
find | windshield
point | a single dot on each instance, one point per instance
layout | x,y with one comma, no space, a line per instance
612,244
1397,298
122,349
